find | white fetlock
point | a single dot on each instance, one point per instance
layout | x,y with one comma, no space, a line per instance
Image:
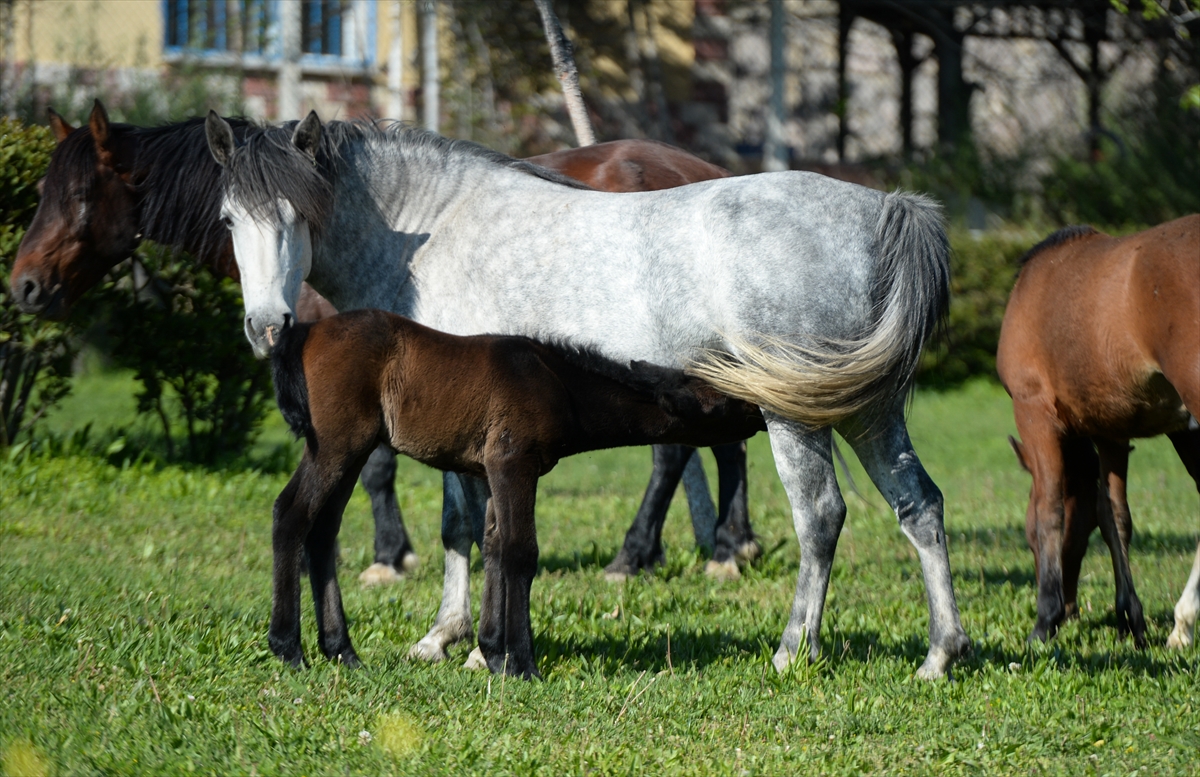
783,659
428,649
1179,639
935,665
616,577
476,660
379,574
410,562
722,570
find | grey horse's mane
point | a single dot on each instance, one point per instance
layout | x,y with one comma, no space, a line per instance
269,166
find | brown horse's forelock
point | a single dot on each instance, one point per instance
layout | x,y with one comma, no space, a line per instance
1064,235
174,175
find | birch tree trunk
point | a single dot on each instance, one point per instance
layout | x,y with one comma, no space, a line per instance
568,75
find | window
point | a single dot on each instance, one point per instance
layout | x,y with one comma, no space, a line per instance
333,33
218,26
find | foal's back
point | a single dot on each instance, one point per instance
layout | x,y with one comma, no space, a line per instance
1108,329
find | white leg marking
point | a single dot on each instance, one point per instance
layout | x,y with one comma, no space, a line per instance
1187,609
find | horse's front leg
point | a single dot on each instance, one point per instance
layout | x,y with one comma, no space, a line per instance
464,499
1187,445
1116,525
1187,608
333,634
292,518
510,563
804,461
887,455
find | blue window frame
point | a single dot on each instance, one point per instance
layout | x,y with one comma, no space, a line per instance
332,32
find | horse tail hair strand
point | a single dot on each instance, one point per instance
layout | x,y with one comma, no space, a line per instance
823,382
291,387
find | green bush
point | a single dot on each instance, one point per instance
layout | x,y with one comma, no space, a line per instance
1151,176
35,355
982,272
179,328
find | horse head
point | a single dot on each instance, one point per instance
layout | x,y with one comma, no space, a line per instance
87,219
272,239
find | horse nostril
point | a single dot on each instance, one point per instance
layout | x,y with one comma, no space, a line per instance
287,320
29,290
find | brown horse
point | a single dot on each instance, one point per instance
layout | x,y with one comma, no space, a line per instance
1100,344
110,185
501,408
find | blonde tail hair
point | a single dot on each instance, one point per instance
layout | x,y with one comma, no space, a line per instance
825,381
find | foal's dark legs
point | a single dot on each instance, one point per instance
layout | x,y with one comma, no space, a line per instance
307,515
393,551
510,554
1080,489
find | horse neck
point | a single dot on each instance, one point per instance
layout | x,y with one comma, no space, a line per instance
389,200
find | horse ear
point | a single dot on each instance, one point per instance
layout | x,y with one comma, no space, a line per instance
59,126
220,138
308,134
1019,449
98,122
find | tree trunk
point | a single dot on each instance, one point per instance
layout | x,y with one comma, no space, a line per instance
429,65
568,76
775,155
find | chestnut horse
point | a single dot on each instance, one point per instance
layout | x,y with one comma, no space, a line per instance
504,408
1100,344
110,185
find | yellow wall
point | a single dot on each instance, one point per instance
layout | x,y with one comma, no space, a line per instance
89,33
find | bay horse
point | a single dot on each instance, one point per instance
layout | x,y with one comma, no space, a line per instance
1100,344
110,185
809,297
504,409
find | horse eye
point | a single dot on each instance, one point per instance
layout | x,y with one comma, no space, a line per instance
228,222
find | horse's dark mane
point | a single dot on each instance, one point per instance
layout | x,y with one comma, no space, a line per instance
1064,235
175,175
182,187
276,168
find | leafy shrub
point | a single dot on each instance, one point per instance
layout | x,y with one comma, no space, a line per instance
1150,177
179,328
982,272
35,355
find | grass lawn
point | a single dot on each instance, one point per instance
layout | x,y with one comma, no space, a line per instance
134,602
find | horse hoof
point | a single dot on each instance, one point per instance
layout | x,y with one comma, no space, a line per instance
379,574
476,660
1179,640
783,659
410,562
616,576
348,659
428,649
749,552
722,571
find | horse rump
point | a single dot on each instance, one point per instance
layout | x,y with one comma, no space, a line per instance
291,387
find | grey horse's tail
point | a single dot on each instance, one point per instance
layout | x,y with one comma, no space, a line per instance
821,383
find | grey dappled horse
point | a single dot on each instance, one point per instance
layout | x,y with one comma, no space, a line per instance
808,296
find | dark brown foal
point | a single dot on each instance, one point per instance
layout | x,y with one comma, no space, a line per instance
501,408
1100,344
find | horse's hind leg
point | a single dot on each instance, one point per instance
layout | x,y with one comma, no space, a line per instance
642,548
1187,445
290,525
735,540
887,455
333,635
464,499
805,465
1117,527
393,552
